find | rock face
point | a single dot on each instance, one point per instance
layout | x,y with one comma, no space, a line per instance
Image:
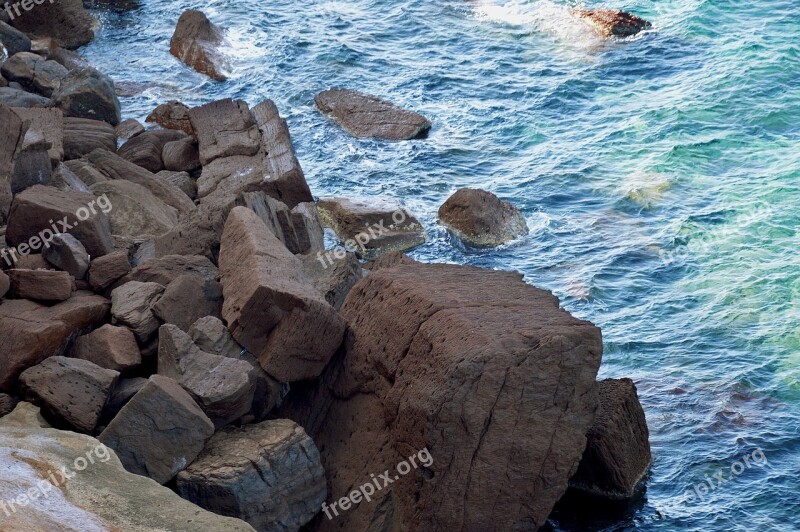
137,211
612,23
367,116
300,229
70,389
271,307
196,41
159,432
88,93
68,254
484,371
481,219
333,277
181,155
617,453
267,474
371,226
132,306
101,497
83,135
41,285
14,97
109,347
172,115
66,21
7,404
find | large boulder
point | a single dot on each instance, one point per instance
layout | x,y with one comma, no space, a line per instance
14,97
334,273
367,116
66,21
182,180
225,128
34,73
41,285
88,93
7,404
164,270
33,166
13,40
109,347
145,149
485,378
66,253
481,219
137,212
132,306
49,123
196,42
83,135
612,22
12,136
172,115
187,299
267,474
128,128
271,307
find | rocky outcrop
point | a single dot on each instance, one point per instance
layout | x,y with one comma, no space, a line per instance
109,347
66,253
611,22
196,42
88,93
66,21
132,306
41,285
484,372
479,218
34,73
267,474
172,115
617,454
367,116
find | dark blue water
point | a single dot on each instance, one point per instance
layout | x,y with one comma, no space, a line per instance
660,177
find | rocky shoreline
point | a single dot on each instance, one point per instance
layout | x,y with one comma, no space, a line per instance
176,336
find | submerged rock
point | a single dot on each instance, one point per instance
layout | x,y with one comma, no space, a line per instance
480,218
196,41
611,22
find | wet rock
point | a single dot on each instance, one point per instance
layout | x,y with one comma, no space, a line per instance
70,389
145,149
16,97
49,123
12,136
82,136
104,271
481,219
132,306
182,180
389,260
137,212
172,115
127,129
617,454
334,273
41,285
66,21
109,347
159,432
5,284
66,253
34,73
187,299
367,116
196,42
181,155
88,93
13,40
611,22
371,226
267,474
300,229
222,386
271,307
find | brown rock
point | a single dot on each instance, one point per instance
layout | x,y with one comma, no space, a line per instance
34,73
127,129
611,22
224,128
164,270
480,218
334,273
145,149
49,123
182,180
104,271
132,306
5,284
66,253
32,262
83,135
7,404
66,21
390,260
196,41
300,229
41,285
181,155
187,299
88,93
137,211
109,347
12,136
172,115
33,165
271,307
86,172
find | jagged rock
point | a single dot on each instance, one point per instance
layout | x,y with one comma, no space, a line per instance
160,431
70,389
137,211
145,149
181,155
300,229
13,40
370,227
109,347
187,299
88,93
66,21
611,22
267,474
164,270
49,123
87,173
12,136
390,260
5,284
14,97
182,180
82,136
617,453
479,218
334,273
271,307
34,73
367,116
172,115
66,253
41,285
222,386
224,128
104,271
196,41
132,306
127,129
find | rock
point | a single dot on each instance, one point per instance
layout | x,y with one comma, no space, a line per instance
271,307
98,494
66,21
224,128
300,229
389,260
160,431
182,180
41,285
187,299
16,97
367,116
124,391
33,165
12,136
87,93
480,218
7,404
137,212
172,115
68,59
13,40
371,226
617,454
43,46
5,284
333,277
181,155
104,271
32,212
484,374
199,233
65,179
25,415
267,474
109,347
611,22
196,42
49,123
32,262
82,136
34,73
70,389
222,386
132,306
145,149
127,129
164,270
66,253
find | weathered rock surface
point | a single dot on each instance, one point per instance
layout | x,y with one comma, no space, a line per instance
484,371
145,149
137,212
70,389
187,299
66,21
34,73
104,271
182,180
480,218
389,260
127,129
181,155
66,253
13,40
12,135
109,347
271,307
41,285
164,270
49,123
611,22
196,42
5,284
83,135
160,431
267,474
300,229
33,165
88,93
16,97
617,453
224,128
132,306
222,386
172,115
7,404
333,277
367,116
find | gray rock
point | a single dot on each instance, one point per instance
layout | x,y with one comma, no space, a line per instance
145,149
187,299
127,129
131,306
334,273
13,40
300,229
5,284
34,72
49,123
87,93
12,136
19,98
66,21
137,212
66,253
181,155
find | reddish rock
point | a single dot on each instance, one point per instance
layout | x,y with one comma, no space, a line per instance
41,285
145,149
132,306
389,260
109,347
66,21
300,229
196,41
5,284
611,22
84,135
225,128
187,299
480,218
172,115
12,135
333,277
164,270
105,271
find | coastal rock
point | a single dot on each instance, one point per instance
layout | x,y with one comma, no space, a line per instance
224,128
164,270
196,42
160,431
49,123
66,253
124,391
300,229
181,155
389,260
109,347
479,218
70,389
104,271
145,149
34,73
181,180
25,415
12,135
611,22
271,307
14,97
68,59
82,136
132,306
33,165
13,40
65,179
367,116
334,273
172,115
66,21
137,212
617,454
41,285
267,474
5,284
88,93
127,129
187,299
371,226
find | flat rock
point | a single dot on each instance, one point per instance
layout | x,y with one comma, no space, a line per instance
66,21
196,42
481,219
132,306
83,135
104,271
88,93
172,115
137,212
225,128
109,347
66,253
41,285
612,22
187,299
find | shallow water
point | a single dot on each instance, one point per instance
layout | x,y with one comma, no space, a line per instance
660,177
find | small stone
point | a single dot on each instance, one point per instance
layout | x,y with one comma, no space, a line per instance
132,306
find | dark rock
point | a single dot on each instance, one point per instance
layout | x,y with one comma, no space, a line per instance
480,218
86,172
41,285
13,97
82,136
34,73
109,347
104,271
196,41
334,273
145,149
66,253
181,155
66,21
127,129
65,179
87,93
132,306
12,136
182,180
611,22
7,404
33,165
5,284
390,260
68,59
172,115
123,392
187,299
13,40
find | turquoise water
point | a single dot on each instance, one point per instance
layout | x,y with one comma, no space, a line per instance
660,177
